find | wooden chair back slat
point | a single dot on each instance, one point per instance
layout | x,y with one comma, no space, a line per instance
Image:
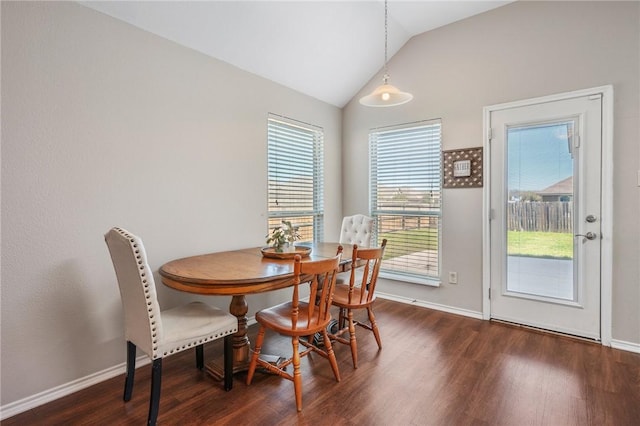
358,294
362,287
321,276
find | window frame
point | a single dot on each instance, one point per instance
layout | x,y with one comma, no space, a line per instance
426,278
314,133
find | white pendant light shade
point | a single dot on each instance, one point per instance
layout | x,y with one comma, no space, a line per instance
386,95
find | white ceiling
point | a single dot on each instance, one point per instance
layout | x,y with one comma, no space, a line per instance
326,49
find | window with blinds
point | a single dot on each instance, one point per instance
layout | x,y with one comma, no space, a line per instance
295,158
406,198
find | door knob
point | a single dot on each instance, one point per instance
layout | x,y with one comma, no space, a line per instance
588,235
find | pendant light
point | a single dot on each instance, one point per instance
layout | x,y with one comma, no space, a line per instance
386,94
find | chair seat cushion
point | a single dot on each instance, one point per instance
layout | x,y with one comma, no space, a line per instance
341,297
193,324
278,318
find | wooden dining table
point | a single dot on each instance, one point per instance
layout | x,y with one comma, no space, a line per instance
238,273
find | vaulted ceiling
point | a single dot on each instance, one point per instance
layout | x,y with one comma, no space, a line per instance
326,49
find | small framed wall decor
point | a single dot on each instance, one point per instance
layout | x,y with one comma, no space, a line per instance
462,168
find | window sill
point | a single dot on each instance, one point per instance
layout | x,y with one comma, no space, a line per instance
410,279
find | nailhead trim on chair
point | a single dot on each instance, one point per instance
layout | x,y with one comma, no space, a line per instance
142,273
200,342
152,321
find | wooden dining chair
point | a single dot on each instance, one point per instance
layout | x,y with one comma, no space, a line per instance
300,319
161,333
359,293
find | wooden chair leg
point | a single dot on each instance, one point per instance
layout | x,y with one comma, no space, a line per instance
341,319
352,339
200,357
154,403
131,370
228,362
331,355
374,326
256,354
297,376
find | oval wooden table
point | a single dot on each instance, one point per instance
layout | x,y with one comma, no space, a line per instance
238,273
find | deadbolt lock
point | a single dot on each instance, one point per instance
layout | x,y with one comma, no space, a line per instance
591,218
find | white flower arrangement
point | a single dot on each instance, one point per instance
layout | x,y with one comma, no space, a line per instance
283,236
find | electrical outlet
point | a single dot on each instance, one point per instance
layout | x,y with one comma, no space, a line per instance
453,278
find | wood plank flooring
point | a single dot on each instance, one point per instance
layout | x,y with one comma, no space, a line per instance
435,368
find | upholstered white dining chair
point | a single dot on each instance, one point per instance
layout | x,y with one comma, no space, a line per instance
357,229
161,333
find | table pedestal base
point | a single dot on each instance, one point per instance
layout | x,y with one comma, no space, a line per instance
238,308
217,371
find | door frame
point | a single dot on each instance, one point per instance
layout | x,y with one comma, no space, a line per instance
606,248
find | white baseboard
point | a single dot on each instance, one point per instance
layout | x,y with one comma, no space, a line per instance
49,395
625,346
425,304
615,344
44,397
57,392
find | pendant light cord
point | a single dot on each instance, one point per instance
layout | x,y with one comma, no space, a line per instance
385,77
386,95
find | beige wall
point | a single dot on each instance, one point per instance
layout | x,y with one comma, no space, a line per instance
519,51
104,124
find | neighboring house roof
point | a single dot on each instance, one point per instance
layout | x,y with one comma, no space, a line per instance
564,187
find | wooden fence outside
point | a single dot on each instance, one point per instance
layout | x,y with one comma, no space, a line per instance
549,216
391,223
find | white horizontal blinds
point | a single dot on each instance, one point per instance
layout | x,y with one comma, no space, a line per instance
318,186
406,195
295,176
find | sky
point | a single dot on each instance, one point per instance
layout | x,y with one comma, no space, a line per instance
538,156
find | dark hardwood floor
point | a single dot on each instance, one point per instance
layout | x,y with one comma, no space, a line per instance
435,368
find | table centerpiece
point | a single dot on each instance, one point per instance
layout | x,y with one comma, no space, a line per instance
281,242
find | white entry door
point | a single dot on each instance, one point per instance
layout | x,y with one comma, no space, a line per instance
545,214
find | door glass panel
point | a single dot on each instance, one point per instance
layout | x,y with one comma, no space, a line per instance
540,206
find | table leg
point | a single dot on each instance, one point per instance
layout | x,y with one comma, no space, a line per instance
238,308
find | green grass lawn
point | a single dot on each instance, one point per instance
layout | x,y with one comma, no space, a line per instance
553,245
400,243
